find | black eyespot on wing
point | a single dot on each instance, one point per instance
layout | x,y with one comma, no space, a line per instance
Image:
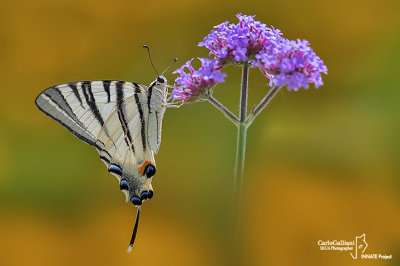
160,79
115,169
136,201
150,170
123,185
144,195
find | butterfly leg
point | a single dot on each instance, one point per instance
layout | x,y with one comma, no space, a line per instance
163,92
171,105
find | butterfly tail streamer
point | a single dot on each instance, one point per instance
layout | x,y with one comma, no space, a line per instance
134,230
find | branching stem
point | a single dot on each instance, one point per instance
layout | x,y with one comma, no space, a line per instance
242,123
264,102
223,109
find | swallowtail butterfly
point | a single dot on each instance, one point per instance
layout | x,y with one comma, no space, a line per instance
122,120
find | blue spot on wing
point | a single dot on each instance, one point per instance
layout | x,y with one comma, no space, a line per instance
123,185
115,169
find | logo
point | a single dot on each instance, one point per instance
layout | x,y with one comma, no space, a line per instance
360,245
356,248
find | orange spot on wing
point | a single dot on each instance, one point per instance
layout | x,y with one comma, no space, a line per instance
143,167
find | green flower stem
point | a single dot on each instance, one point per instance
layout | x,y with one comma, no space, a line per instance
243,93
240,157
228,114
241,137
236,257
242,123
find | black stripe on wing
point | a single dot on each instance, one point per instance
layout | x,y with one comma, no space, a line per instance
140,110
106,85
90,100
74,88
121,114
149,93
58,99
53,98
125,130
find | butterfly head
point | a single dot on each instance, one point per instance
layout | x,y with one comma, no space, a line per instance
161,84
161,80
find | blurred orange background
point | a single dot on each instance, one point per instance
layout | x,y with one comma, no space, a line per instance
320,164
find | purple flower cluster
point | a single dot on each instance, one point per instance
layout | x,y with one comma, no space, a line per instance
240,43
195,84
292,63
252,43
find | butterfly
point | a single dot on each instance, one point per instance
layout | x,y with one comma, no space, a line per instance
122,120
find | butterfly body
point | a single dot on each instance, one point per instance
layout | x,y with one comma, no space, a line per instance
156,104
122,120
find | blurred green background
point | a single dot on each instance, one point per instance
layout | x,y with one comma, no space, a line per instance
321,164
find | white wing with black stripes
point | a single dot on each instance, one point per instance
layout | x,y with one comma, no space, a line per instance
121,119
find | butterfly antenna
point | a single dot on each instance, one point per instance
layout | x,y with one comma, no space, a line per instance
134,230
151,61
175,59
